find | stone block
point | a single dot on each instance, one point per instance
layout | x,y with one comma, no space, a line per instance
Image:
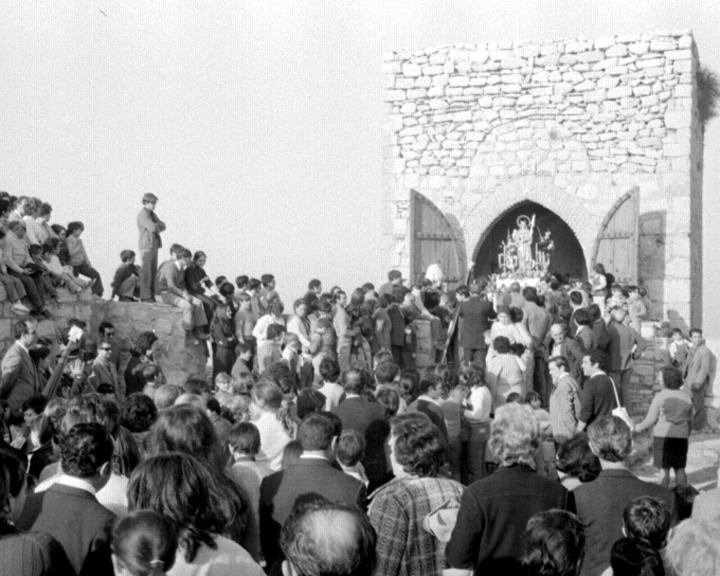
583,86
679,55
649,63
618,50
479,56
411,70
619,92
639,48
416,93
456,81
589,57
604,42
662,44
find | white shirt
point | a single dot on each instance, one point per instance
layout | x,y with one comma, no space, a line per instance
481,401
230,559
260,330
273,439
113,495
332,392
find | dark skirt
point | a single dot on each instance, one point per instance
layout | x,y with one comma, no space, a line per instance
670,452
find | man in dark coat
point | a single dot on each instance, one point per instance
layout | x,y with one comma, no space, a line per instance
476,316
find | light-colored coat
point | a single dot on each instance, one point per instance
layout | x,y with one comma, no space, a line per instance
20,379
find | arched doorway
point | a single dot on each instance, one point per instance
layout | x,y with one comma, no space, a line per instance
567,258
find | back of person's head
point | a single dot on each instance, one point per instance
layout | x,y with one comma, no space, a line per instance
516,314
672,378
213,406
144,544
501,345
353,381
93,408
126,453
151,372
532,396
244,437
127,255
418,446
139,413
291,454
474,376
275,330
685,495
166,395
317,431
329,370
188,493
635,557
268,395
386,372
427,384
185,429
530,293
309,401
388,399
648,518
329,539
143,343
610,438
576,459
196,386
694,548
350,448
576,297
85,449
554,542
515,434
583,317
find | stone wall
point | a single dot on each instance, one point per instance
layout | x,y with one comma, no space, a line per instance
178,355
573,125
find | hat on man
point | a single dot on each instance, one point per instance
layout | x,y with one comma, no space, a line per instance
149,197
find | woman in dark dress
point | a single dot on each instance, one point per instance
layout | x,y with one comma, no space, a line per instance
142,355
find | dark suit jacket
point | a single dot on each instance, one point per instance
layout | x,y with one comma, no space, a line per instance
489,531
368,418
622,340
597,398
308,477
601,335
20,379
476,315
78,521
600,505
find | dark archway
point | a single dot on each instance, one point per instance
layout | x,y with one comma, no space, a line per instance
567,258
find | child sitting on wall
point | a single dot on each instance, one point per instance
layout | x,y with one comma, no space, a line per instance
125,282
59,274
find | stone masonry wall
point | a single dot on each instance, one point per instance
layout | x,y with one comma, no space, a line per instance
178,355
573,125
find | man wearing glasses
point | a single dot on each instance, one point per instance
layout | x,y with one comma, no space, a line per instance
20,379
149,226
104,371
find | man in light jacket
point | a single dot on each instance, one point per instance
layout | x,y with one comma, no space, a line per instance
149,226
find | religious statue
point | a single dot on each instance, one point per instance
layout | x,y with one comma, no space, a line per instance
525,253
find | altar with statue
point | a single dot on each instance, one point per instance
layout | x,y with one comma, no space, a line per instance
524,256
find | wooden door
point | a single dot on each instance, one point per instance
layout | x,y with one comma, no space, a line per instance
616,246
433,241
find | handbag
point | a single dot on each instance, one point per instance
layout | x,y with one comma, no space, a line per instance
621,412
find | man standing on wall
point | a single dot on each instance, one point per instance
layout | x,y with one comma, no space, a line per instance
149,226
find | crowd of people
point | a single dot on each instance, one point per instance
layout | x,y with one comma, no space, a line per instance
323,445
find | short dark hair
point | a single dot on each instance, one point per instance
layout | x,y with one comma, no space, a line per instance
419,446
72,226
242,281
554,543
635,556
394,275
386,372
530,293
84,449
648,518
329,370
353,381
140,413
151,372
266,279
695,331
21,328
576,297
601,358
350,448
611,437
501,345
560,362
104,326
317,431
244,437
583,317
389,399
672,377
309,401
426,384
196,386
35,403
322,538
127,255
314,284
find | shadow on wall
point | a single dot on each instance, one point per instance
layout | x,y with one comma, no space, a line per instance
651,262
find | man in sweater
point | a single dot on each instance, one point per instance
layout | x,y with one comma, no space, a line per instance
597,395
149,227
